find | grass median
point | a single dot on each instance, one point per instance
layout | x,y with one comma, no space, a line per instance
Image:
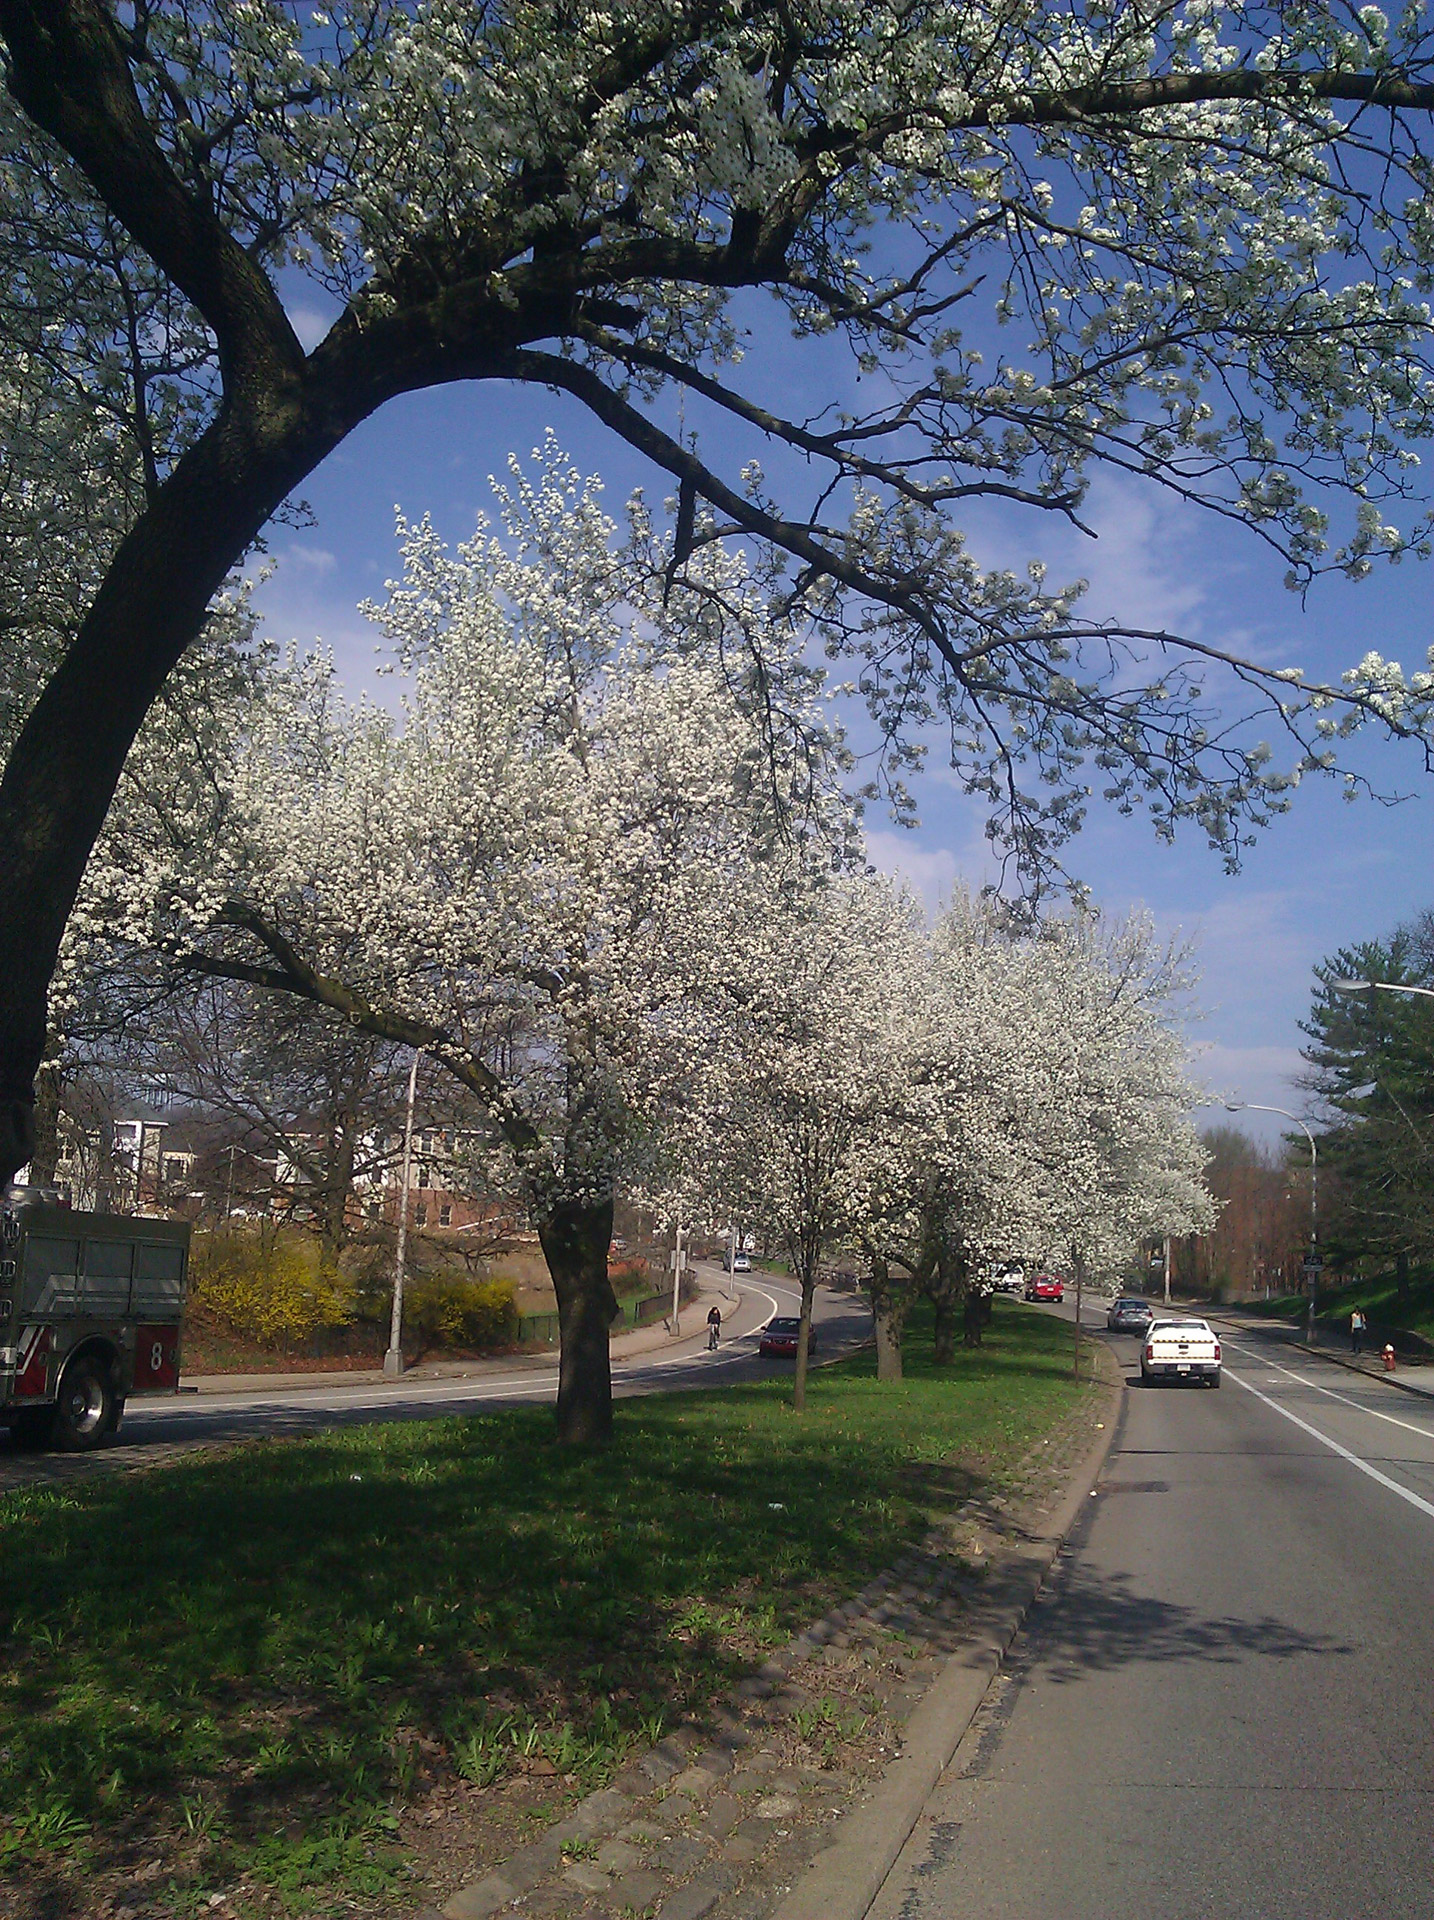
238,1671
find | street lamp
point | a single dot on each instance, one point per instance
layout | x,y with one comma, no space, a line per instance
1312,1262
1380,986
393,1359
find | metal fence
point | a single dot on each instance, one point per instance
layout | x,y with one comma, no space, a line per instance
641,1310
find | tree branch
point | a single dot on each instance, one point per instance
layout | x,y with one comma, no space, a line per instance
69,72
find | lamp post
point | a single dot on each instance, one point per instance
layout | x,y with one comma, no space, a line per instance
393,1359
1312,1261
1381,986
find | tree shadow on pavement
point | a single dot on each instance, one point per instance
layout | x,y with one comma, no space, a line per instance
1088,1624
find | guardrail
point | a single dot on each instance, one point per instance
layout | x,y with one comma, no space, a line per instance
639,1310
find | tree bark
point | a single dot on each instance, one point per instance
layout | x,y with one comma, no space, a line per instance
66,762
945,1332
799,1391
575,1241
45,1159
947,1290
889,1303
973,1318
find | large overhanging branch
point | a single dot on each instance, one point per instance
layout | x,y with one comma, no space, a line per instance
69,71
826,446
292,974
689,471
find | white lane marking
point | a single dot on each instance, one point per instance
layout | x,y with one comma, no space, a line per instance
1329,1392
1344,1453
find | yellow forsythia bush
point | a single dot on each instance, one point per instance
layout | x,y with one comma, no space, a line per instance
271,1289
463,1313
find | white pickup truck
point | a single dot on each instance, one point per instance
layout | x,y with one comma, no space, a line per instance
1184,1349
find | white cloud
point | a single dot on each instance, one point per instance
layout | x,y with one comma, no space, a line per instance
314,559
1139,569
310,325
929,871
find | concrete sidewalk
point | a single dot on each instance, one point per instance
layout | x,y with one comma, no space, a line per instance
1409,1376
750,1311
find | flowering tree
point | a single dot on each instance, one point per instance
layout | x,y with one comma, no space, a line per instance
523,873
824,1063
1045,1115
1206,226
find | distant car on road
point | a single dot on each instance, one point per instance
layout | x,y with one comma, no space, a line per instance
1129,1314
1008,1280
779,1339
737,1262
1045,1286
1180,1350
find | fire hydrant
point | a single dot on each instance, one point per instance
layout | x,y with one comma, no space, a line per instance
1388,1357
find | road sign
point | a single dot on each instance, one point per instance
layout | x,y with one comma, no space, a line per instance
1313,1262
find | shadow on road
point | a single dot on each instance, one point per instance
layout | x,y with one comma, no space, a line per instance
1085,1624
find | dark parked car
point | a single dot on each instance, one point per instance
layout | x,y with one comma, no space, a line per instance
1129,1315
779,1339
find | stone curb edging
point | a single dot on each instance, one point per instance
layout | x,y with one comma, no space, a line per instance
843,1882
696,1763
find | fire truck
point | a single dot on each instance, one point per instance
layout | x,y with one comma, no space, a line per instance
90,1309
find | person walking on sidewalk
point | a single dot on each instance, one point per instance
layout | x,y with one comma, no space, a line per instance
714,1327
1356,1332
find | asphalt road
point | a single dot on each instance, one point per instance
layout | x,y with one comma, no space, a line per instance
155,1428
1224,1701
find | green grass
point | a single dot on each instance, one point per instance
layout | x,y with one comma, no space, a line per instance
247,1662
1378,1297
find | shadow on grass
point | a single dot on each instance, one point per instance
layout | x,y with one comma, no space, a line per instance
297,1622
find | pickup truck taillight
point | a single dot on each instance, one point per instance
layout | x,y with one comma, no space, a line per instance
1217,1349
1149,1352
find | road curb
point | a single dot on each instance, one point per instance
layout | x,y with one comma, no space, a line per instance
842,1882
1366,1373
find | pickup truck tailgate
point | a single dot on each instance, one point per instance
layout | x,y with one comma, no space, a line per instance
1180,1349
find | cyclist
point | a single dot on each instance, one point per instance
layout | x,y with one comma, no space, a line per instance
714,1327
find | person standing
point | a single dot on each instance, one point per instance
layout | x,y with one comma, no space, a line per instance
1356,1332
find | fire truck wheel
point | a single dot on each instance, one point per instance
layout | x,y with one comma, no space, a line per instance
84,1407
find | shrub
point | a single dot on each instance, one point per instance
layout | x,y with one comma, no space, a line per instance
462,1313
270,1288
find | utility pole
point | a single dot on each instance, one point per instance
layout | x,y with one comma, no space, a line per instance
732,1261
677,1263
393,1359
1167,1269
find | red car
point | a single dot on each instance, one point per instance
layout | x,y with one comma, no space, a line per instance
1045,1286
779,1339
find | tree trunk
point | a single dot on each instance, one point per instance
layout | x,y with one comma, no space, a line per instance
333,1198
972,1319
889,1319
45,1159
66,761
889,1303
945,1331
799,1392
575,1241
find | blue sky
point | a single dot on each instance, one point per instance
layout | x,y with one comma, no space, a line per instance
1327,874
